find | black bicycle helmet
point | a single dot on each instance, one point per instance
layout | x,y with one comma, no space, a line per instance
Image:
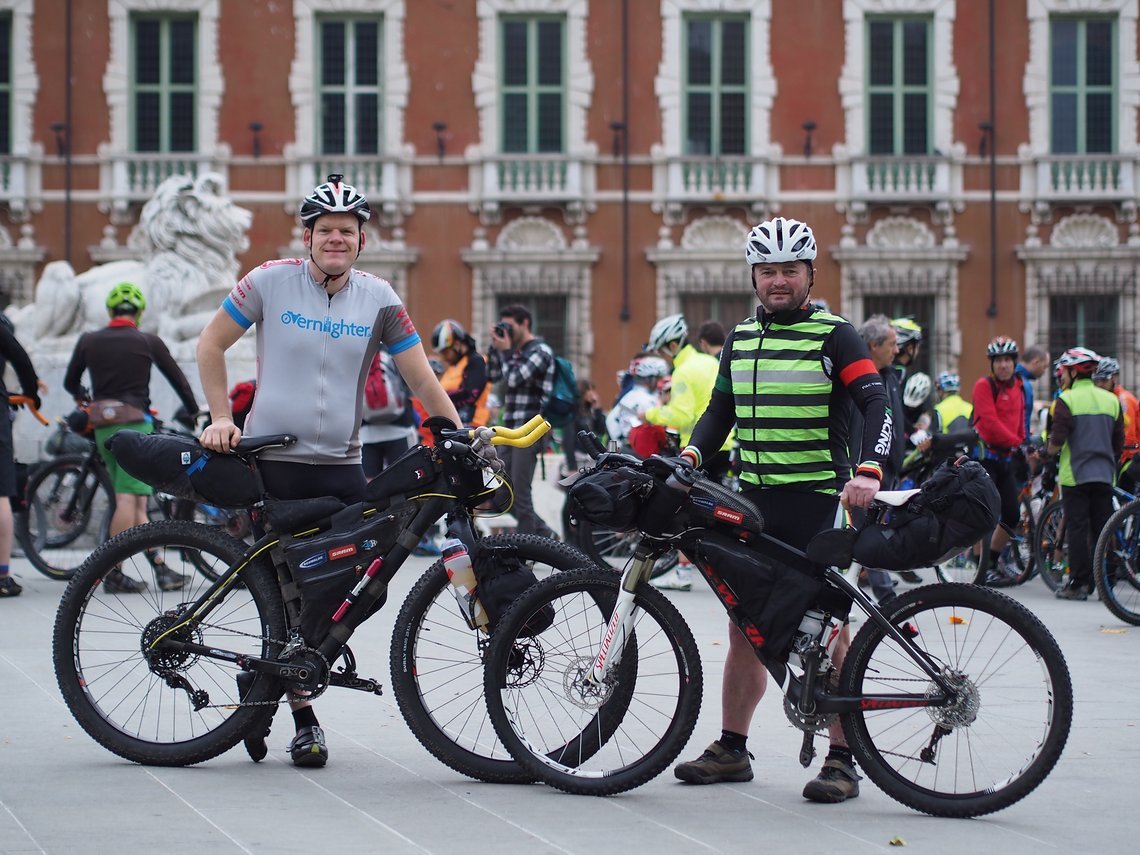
334,197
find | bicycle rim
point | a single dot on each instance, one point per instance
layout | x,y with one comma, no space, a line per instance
437,666
962,567
1116,565
177,708
584,739
1004,731
69,515
1052,556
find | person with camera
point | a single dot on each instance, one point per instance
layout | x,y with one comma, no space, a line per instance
524,364
118,360
319,324
13,353
786,378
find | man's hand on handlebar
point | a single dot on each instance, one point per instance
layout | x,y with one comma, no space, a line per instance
220,435
859,491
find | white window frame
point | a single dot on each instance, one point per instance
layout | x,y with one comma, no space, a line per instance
117,77
25,189
944,85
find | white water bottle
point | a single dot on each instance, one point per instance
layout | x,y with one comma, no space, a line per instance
810,630
462,575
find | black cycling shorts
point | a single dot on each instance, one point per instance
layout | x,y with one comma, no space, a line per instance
286,480
7,456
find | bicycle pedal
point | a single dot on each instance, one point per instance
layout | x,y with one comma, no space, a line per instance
350,680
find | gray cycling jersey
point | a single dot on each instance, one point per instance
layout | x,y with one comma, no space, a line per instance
313,353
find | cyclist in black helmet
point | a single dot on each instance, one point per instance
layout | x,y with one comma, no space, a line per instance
319,323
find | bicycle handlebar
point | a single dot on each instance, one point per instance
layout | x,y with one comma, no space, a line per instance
25,401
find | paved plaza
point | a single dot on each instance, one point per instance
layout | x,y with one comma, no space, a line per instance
382,792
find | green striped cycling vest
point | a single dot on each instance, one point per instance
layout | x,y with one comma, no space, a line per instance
782,398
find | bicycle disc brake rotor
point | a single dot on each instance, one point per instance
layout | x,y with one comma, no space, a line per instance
525,663
581,692
963,710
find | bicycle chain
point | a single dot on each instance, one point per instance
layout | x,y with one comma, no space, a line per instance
284,699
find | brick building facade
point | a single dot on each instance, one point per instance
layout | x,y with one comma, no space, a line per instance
969,162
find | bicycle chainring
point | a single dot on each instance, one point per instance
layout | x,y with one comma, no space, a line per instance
311,675
814,723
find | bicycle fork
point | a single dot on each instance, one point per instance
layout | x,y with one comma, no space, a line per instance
621,622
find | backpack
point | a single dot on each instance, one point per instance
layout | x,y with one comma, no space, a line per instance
957,506
385,393
562,405
241,401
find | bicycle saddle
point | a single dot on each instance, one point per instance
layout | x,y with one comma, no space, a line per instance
896,498
254,444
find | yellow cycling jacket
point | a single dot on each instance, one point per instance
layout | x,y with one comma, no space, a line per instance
694,374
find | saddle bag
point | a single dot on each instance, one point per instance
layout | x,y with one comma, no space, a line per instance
178,465
958,505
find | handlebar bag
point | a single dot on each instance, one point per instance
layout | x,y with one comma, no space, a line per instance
178,465
611,498
958,505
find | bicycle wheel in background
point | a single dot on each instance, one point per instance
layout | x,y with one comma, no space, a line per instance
69,506
169,708
961,567
437,665
1004,729
575,734
1017,558
1116,563
1050,552
608,548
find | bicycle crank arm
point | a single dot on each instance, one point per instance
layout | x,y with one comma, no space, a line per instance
284,670
349,680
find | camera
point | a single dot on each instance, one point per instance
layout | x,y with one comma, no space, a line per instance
503,328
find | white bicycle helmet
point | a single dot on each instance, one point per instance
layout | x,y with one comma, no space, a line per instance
948,381
667,330
778,240
1079,360
916,390
648,367
334,197
446,334
1106,369
1002,346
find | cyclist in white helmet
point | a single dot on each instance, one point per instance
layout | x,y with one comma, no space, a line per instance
319,323
786,380
646,371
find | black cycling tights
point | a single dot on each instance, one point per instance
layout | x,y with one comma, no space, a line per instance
1005,479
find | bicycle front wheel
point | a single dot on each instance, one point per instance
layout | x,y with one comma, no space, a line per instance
70,503
1116,563
1005,725
1049,549
437,665
165,708
575,734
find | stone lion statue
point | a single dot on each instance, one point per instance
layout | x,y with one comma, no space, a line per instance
189,236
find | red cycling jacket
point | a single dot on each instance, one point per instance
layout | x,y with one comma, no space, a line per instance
999,413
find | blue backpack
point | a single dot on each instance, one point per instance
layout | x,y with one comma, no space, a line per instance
562,404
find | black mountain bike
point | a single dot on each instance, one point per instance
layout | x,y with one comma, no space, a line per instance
955,699
152,676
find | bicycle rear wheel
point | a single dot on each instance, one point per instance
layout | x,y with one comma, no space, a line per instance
70,503
569,732
1116,563
1050,551
1004,729
166,708
437,665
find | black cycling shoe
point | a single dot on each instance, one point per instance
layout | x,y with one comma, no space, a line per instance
255,744
308,748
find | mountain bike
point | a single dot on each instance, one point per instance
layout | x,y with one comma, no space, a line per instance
955,699
1116,563
153,677
71,501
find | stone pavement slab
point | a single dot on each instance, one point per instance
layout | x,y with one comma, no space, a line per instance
382,792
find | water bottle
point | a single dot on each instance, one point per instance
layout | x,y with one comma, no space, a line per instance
462,576
810,630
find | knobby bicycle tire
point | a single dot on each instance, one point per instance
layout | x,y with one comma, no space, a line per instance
536,696
144,710
1116,563
437,665
1050,552
1007,727
57,538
